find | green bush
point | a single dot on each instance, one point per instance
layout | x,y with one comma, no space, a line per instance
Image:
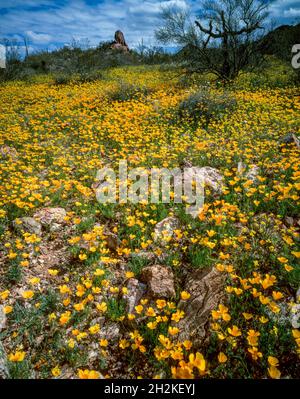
126,91
205,105
62,79
89,76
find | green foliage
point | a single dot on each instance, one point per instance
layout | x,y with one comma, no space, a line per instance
79,65
20,370
137,264
115,308
206,105
126,91
13,274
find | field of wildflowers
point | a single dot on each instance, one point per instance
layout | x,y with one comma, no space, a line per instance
64,287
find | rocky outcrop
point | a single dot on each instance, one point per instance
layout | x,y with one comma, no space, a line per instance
119,42
28,225
159,280
53,218
48,216
206,288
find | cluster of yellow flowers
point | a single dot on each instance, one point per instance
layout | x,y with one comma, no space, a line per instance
76,307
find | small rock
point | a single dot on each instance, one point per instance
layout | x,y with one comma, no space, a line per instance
283,317
136,290
241,168
160,281
7,151
28,224
298,296
295,316
47,216
55,227
289,220
93,355
164,230
290,138
207,292
212,178
66,373
287,139
4,373
112,241
2,318
149,256
111,332
253,173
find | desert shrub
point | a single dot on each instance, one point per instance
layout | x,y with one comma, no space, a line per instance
155,55
71,60
88,76
297,76
206,105
62,79
127,91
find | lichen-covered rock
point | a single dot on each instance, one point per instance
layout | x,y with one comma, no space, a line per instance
295,315
211,178
159,280
164,230
2,318
136,290
251,174
8,152
4,373
288,315
28,224
298,296
207,291
290,138
110,331
144,255
48,216
208,176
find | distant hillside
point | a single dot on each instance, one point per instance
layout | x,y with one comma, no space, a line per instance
279,42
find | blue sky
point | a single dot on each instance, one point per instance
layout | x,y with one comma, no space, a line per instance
52,24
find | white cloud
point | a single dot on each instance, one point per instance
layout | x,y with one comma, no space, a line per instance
22,3
48,23
284,10
38,38
79,19
292,13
